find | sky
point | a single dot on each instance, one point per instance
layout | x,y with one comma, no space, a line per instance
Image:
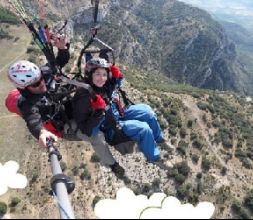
238,11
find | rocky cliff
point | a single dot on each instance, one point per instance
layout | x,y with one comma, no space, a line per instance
166,36
181,41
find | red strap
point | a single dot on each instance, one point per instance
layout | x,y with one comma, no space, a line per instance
11,102
119,106
50,127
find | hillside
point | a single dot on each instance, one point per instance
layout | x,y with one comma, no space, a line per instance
183,42
211,132
211,160
167,36
244,42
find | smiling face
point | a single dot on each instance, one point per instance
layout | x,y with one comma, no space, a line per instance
99,77
38,87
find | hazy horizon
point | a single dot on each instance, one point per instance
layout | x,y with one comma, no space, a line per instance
237,11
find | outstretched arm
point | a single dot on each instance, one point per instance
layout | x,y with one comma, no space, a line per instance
34,123
63,55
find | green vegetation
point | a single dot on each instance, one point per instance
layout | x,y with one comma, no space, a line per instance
232,124
35,177
75,170
248,201
3,208
85,174
202,105
63,166
159,82
4,34
15,201
156,183
182,147
206,164
195,158
7,17
239,211
197,144
33,49
180,172
95,201
224,171
186,191
183,133
189,123
95,158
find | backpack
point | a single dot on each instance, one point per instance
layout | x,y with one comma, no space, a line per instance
11,102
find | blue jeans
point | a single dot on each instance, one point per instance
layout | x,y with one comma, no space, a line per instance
141,125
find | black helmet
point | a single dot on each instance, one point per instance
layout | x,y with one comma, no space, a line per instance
95,63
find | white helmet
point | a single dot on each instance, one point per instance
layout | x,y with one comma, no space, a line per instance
95,63
24,73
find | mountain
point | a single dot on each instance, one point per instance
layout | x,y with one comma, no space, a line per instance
183,42
236,11
243,40
167,36
211,131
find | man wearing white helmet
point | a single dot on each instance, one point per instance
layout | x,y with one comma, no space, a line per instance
30,99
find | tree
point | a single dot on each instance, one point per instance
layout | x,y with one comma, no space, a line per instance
63,166
94,158
241,213
35,176
195,158
180,179
85,175
189,123
206,164
15,201
75,170
224,171
248,201
183,168
95,201
3,208
197,144
183,132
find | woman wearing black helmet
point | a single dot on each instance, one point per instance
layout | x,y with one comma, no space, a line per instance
89,114
138,123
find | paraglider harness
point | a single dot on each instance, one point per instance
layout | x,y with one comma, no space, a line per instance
61,184
118,135
61,87
61,94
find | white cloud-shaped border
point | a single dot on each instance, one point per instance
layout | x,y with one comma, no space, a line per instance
129,206
9,178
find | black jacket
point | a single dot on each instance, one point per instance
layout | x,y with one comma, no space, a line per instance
85,116
88,119
37,109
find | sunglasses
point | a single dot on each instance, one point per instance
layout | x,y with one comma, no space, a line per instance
37,84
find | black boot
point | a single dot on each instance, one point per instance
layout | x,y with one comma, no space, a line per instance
118,170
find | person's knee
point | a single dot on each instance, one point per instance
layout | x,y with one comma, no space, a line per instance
149,112
145,107
145,129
